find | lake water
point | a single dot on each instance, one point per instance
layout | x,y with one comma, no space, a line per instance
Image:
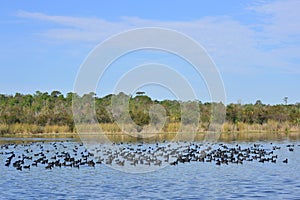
192,180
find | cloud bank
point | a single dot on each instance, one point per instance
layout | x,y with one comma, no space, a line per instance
270,42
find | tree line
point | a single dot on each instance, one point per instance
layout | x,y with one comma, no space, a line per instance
44,109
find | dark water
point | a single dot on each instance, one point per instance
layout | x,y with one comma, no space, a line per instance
195,180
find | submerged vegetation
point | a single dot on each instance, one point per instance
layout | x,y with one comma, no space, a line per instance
52,113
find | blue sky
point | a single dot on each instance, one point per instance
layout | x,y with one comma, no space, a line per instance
254,44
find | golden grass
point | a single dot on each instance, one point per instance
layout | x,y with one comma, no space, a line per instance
171,127
271,127
32,129
24,128
56,129
4,128
112,128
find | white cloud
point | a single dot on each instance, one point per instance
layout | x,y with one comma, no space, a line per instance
281,21
233,45
280,32
76,28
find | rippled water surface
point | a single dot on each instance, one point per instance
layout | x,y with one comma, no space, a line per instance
194,180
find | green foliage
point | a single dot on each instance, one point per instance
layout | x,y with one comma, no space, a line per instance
52,112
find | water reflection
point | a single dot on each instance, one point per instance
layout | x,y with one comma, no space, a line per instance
199,137
116,138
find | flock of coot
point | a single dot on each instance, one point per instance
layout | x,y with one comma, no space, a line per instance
60,154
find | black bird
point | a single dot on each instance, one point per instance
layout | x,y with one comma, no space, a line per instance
48,167
26,167
19,168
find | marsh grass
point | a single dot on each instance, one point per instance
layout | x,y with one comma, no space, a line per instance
56,129
171,127
4,128
270,127
32,129
24,128
112,128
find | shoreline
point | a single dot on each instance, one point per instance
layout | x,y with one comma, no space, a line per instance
150,133
159,133
122,137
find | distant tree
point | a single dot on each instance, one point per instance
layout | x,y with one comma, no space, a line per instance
140,93
43,109
258,102
55,93
285,99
